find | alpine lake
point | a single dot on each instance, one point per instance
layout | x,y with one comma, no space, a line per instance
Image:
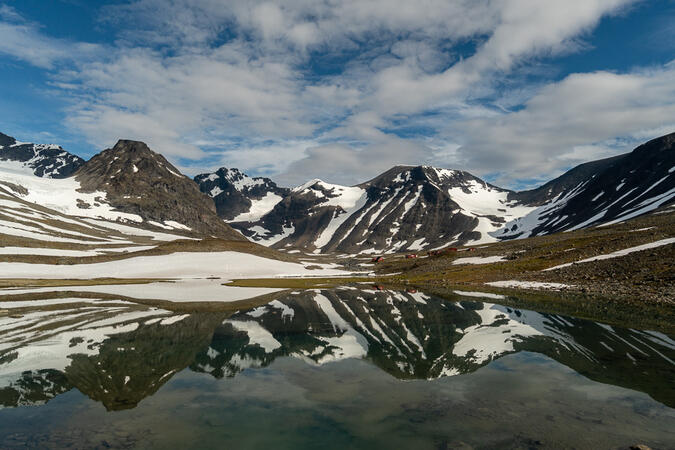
340,368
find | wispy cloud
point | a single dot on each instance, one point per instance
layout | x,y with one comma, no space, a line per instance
572,121
24,40
342,90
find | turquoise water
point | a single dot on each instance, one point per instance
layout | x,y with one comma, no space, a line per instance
341,368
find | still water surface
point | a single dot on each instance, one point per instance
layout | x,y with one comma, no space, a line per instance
339,368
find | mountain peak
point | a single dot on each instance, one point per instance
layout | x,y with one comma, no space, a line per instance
49,161
132,145
239,197
140,181
308,185
132,149
6,141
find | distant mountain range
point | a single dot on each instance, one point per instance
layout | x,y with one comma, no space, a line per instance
421,208
404,209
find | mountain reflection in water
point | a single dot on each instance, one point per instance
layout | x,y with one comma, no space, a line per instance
118,353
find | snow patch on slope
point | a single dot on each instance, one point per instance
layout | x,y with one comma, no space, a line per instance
259,208
61,195
618,253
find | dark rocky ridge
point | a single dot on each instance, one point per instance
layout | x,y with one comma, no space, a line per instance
603,191
49,161
233,191
140,181
565,182
593,193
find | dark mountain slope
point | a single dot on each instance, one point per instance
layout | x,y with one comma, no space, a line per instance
405,208
139,181
601,192
565,182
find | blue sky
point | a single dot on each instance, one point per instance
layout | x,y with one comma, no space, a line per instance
515,91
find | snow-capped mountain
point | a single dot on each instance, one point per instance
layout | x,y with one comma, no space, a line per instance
50,161
238,197
128,183
143,183
415,208
26,225
405,208
600,192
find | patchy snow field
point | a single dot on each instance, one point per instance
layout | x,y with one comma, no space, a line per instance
482,201
61,194
258,208
479,260
227,265
480,294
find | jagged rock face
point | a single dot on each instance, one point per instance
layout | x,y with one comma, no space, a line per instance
601,192
238,197
138,181
49,161
405,208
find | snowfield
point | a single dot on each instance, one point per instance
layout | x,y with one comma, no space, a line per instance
480,294
484,201
259,208
479,260
227,265
61,195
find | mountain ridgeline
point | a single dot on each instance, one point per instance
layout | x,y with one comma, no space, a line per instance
127,183
406,208
601,192
420,208
50,161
